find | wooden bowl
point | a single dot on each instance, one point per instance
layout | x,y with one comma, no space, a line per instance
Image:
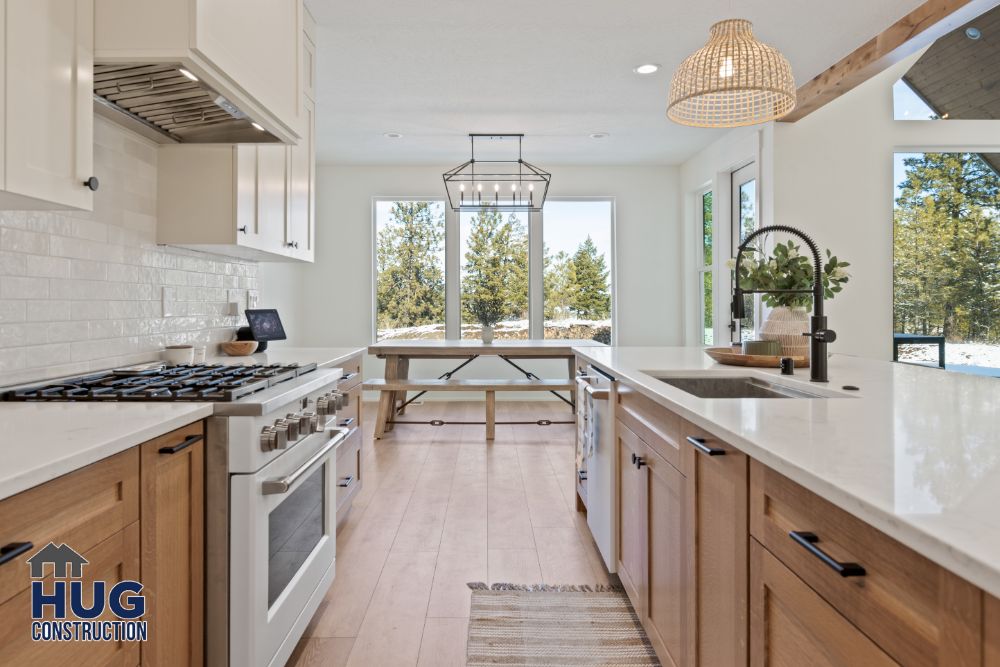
239,348
729,357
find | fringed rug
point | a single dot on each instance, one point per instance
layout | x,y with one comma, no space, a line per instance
512,624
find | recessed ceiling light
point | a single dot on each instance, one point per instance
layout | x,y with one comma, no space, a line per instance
648,68
187,74
599,135
392,135
973,33
257,126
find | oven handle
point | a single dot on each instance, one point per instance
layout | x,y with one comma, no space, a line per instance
283,484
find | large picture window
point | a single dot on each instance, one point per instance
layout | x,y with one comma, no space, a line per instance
946,260
438,274
577,269
409,269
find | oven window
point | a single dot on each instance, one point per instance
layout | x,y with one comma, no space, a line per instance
295,527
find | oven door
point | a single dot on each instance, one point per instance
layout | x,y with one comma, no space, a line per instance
282,548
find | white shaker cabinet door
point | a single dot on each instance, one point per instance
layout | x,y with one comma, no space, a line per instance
48,130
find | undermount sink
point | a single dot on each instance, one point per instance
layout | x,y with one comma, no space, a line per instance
735,387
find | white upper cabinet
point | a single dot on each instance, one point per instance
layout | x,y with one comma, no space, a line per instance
247,50
47,131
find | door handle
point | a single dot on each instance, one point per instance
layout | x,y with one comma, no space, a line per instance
283,484
808,542
11,551
699,444
187,442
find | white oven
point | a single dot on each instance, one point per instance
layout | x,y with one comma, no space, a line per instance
282,546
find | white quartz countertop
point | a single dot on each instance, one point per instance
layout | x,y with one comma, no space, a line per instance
325,357
915,453
42,441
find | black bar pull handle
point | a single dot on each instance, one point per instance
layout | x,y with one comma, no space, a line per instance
634,457
639,462
346,481
699,444
347,422
809,540
11,551
184,444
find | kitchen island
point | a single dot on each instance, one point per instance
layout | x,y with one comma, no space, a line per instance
900,476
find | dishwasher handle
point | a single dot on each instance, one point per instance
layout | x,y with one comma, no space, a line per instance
596,393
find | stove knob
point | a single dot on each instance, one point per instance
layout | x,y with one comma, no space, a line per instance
341,400
302,421
291,427
324,408
312,420
280,434
267,438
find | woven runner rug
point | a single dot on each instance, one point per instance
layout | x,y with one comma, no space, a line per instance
513,624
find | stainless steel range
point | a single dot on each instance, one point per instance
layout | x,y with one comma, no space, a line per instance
271,490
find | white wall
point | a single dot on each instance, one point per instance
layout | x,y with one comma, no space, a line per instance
81,291
833,179
336,303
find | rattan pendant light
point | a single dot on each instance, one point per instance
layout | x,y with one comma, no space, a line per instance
733,80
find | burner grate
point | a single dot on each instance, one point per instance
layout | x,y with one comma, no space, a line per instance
192,382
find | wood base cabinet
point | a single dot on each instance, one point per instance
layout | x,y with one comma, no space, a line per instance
652,560
136,515
173,527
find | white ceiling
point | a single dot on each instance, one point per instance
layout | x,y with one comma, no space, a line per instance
556,70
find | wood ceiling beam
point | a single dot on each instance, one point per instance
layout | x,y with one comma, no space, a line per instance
919,28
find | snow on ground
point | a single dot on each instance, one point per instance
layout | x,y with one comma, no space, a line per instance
973,357
511,329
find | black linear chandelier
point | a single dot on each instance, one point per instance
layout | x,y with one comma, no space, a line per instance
503,185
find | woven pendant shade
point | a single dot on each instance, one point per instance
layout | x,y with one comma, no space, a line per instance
733,80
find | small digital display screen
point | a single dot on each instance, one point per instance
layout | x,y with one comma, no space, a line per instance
265,324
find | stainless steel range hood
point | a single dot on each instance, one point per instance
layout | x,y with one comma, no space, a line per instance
166,103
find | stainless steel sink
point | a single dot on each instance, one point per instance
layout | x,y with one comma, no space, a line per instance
735,387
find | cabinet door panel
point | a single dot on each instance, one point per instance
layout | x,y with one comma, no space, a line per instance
173,548
272,191
791,625
632,520
720,537
666,618
300,206
48,122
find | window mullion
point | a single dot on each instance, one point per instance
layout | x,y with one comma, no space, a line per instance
453,275
536,268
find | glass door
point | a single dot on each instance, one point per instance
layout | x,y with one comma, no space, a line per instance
744,221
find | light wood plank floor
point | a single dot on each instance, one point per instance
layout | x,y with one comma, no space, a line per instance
440,508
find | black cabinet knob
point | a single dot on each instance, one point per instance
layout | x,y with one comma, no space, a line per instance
92,183
639,462
242,230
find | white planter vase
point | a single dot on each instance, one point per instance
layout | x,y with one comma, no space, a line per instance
786,325
487,335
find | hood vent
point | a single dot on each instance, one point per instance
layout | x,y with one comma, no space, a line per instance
168,104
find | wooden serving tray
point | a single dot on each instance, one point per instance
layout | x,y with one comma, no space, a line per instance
725,355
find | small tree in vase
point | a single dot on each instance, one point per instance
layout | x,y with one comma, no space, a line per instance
488,309
788,269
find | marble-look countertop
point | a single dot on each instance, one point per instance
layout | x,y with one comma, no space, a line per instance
42,441
915,453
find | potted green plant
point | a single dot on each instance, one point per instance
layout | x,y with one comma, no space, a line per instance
488,309
787,269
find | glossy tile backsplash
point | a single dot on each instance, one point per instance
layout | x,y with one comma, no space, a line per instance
82,291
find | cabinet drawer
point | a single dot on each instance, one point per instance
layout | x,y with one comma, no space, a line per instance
81,509
656,425
348,468
916,612
352,373
352,410
114,559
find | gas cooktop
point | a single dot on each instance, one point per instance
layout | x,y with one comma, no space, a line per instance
197,382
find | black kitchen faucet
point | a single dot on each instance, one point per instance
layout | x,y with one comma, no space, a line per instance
819,335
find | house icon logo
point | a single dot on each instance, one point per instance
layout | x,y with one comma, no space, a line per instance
62,558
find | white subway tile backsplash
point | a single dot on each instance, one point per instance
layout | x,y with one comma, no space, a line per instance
81,291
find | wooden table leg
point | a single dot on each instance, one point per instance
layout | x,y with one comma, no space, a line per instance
404,373
491,415
388,397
